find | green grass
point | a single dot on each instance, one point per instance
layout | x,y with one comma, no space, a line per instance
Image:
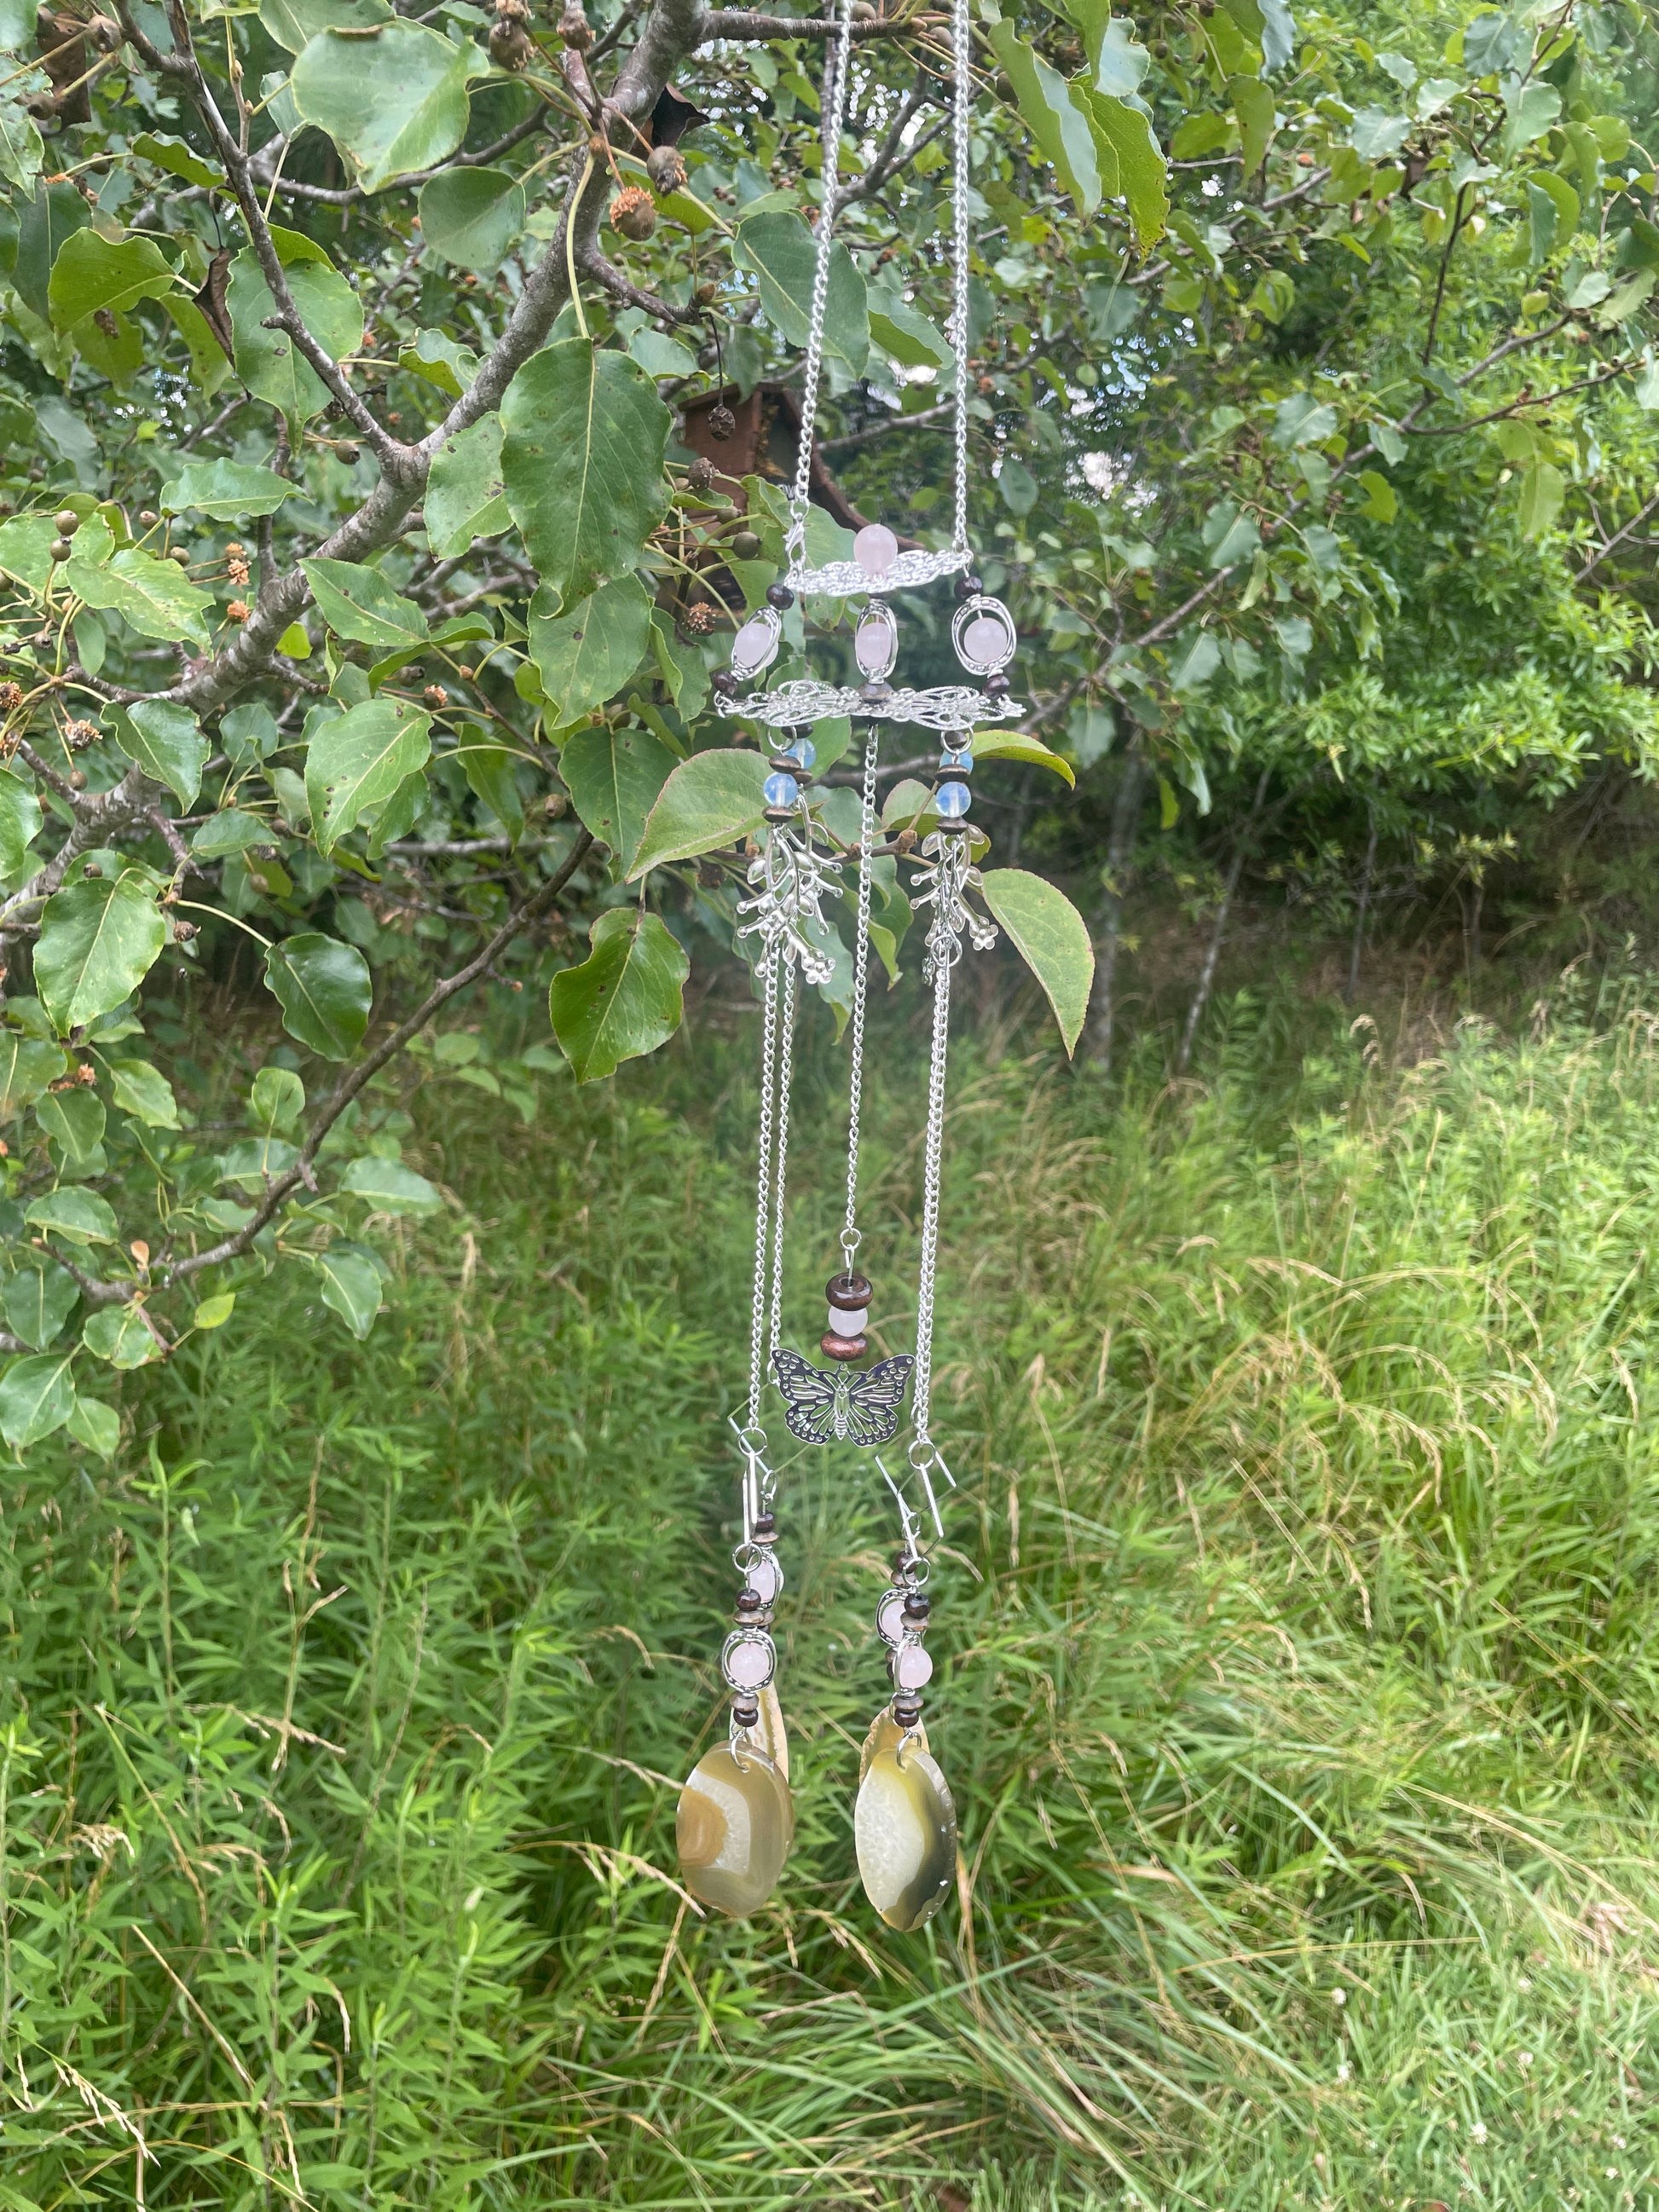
1298,1684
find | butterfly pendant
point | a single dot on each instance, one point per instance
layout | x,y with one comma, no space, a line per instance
839,1407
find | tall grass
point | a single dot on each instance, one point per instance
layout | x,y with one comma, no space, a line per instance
1298,1683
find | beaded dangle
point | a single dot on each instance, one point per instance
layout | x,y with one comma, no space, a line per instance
735,1823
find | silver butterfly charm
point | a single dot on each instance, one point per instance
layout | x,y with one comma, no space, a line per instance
837,1406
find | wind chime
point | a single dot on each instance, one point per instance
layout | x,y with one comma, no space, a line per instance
736,1820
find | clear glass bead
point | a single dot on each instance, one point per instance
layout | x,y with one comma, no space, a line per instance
780,790
953,802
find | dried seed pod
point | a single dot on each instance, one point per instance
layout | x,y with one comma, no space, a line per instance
236,610
634,212
666,167
700,476
436,695
11,697
575,27
722,422
698,619
510,48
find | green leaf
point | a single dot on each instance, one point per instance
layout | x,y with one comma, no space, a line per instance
257,1161
582,459
121,1335
358,760
1057,123
79,1216
624,1000
1137,170
470,217
266,360
166,742
352,1286
776,246
27,1065
1381,502
464,492
1017,485
21,149
177,157
391,1188
92,273
232,831
439,359
658,355
587,654
98,938
1646,391
1253,104
1302,420
37,1395
393,103
144,1091
39,1299
295,23
43,225
1051,937
17,21
75,1120
1231,535
278,1098
1010,745
324,990
613,778
214,1313
1543,488
155,596
96,1425
905,334
1376,133
20,821
711,800
358,603
492,776
1533,107
227,491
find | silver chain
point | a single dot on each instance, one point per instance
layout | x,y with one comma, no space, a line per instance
850,1235
833,113
945,958
962,55
786,1064
758,1347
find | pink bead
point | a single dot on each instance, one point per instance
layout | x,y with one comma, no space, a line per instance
912,1668
986,639
875,549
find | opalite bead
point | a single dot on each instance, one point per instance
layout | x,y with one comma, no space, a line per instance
733,1831
953,802
904,1826
780,790
961,761
875,549
803,751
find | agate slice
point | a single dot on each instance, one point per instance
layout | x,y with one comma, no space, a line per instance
905,1828
886,1734
771,1735
735,1826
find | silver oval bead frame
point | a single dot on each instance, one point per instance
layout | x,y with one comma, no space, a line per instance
971,629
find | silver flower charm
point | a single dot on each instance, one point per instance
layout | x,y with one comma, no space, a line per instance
947,876
793,881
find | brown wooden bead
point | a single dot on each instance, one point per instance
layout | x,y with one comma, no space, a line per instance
843,1347
845,1291
766,1527
749,1604
907,1710
917,1606
745,1712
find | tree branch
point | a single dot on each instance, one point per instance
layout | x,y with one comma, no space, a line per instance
745,26
282,1188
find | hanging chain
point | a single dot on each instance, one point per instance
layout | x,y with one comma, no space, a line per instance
757,1345
962,55
786,1064
833,114
933,1153
850,1235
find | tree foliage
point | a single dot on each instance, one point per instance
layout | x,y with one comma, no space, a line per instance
363,581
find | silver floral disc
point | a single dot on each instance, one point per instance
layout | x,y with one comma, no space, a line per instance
755,644
875,642
983,633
